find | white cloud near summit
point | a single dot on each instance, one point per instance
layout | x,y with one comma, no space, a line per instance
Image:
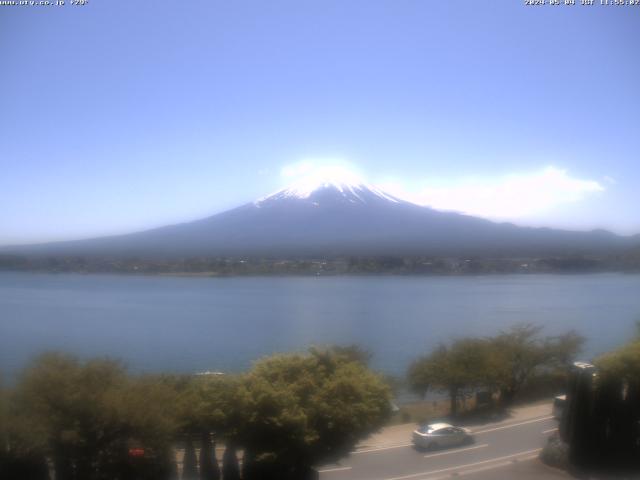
508,197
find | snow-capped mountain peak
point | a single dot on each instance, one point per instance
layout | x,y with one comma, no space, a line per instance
348,186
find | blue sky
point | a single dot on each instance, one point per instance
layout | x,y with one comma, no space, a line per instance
124,115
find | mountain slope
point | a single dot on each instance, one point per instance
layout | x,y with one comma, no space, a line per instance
332,218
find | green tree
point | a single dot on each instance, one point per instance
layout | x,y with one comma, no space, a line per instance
301,410
462,366
422,374
622,364
561,351
521,352
352,352
21,455
209,405
87,415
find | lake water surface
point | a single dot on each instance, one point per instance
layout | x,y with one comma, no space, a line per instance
194,324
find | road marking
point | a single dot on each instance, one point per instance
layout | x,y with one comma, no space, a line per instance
457,450
491,467
513,425
457,467
337,469
482,469
550,430
378,449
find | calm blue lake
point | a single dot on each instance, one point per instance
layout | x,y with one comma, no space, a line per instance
194,324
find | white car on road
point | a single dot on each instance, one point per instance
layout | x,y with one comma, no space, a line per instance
438,435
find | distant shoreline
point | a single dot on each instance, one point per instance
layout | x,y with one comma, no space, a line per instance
312,275
364,265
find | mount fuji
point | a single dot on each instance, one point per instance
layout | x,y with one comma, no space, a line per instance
324,217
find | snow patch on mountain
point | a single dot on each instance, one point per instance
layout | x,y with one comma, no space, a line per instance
350,187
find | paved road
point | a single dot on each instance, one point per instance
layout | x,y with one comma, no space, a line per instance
497,447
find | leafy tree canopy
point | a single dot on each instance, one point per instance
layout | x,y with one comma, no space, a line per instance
505,362
90,413
623,363
308,408
521,351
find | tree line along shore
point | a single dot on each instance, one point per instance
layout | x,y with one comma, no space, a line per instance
91,419
352,265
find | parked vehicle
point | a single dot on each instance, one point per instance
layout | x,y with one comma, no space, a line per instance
441,435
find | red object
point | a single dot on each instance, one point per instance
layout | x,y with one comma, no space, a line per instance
136,452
